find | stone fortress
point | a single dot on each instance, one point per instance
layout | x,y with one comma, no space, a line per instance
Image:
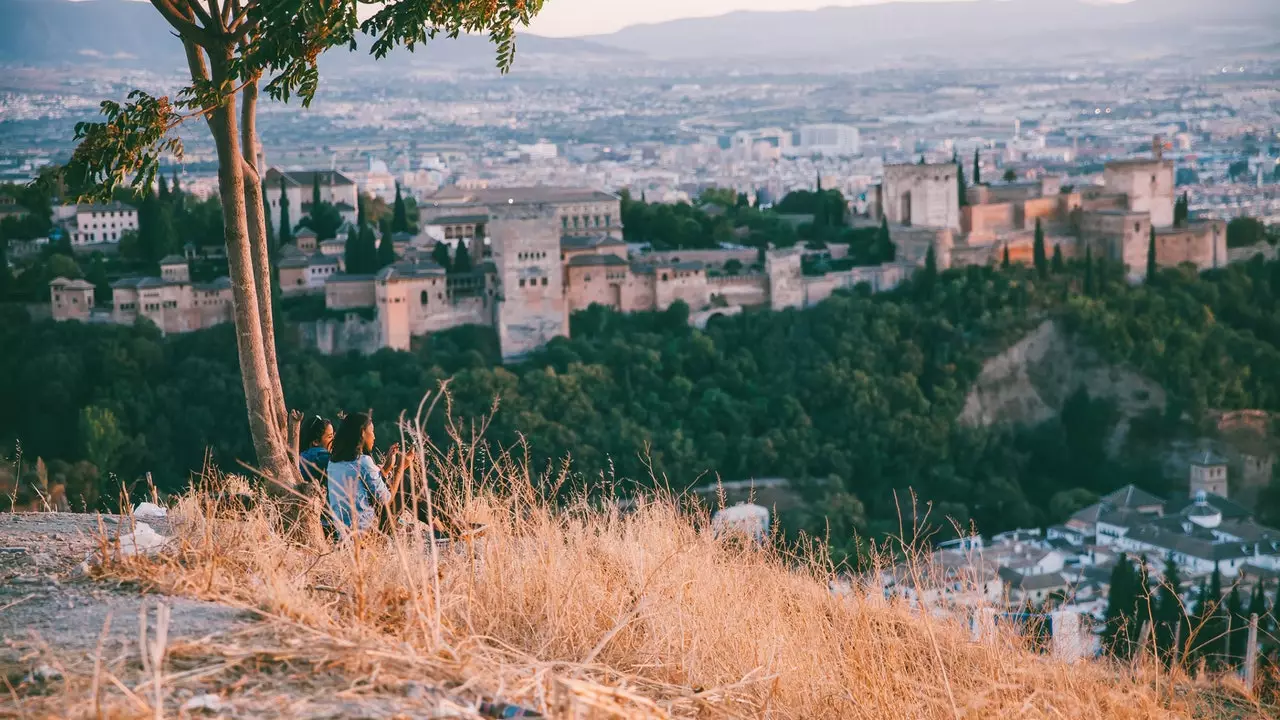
538,254
541,254
1113,220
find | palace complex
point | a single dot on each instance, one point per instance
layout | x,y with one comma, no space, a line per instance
539,254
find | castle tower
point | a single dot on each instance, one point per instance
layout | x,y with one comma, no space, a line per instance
174,268
922,195
531,307
786,283
1208,474
71,299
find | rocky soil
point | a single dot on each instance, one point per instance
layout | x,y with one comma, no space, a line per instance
221,661
1028,383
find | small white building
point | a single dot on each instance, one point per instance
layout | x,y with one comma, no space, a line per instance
752,520
93,224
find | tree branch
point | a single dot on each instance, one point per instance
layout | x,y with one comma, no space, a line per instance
187,29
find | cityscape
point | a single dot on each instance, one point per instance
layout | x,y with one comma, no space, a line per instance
981,300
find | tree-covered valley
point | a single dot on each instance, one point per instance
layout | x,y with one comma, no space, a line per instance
855,400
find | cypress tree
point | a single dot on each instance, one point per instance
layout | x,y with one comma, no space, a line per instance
885,249
1120,603
819,179
5,277
1057,259
1152,268
1239,634
977,169
368,245
163,190
1041,258
1088,271
286,227
360,218
1004,262
961,185
351,253
315,191
399,217
1169,610
930,274
1257,606
440,254
1215,622
461,258
386,251
1195,639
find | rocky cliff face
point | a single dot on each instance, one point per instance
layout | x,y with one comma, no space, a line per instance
1028,383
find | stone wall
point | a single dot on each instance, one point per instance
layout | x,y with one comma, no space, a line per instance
338,337
1203,244
1245,254
987,220
749,289
712,258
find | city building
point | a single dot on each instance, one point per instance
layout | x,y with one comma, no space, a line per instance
578,210
299,185
96,224
828,139
172,302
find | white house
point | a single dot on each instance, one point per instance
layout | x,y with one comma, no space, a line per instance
93,224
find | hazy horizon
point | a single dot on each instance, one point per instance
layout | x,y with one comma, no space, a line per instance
578,18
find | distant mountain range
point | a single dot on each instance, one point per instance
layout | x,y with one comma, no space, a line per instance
43,32
50,32
1034,30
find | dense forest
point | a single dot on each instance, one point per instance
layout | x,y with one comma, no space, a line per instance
855,400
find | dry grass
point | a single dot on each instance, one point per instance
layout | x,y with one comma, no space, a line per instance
577,608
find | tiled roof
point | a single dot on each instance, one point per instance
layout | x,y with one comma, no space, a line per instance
516,196
345,278
586,242
411,270
596,261
306,178
1132,496
459,220
173,260
66,284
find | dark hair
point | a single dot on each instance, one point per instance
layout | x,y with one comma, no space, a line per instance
314,430
348,443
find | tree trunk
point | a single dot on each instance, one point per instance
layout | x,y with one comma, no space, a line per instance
268,430
255,209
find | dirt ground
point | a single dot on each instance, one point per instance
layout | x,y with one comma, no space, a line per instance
220,662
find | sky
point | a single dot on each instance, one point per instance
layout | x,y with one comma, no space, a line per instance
566,18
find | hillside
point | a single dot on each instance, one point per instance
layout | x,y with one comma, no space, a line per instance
1029,383
979,31
572,612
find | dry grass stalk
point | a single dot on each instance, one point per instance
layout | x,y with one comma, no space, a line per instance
585,611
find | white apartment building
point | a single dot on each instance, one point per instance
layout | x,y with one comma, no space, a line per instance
92,224
335,188
541,150
829,139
